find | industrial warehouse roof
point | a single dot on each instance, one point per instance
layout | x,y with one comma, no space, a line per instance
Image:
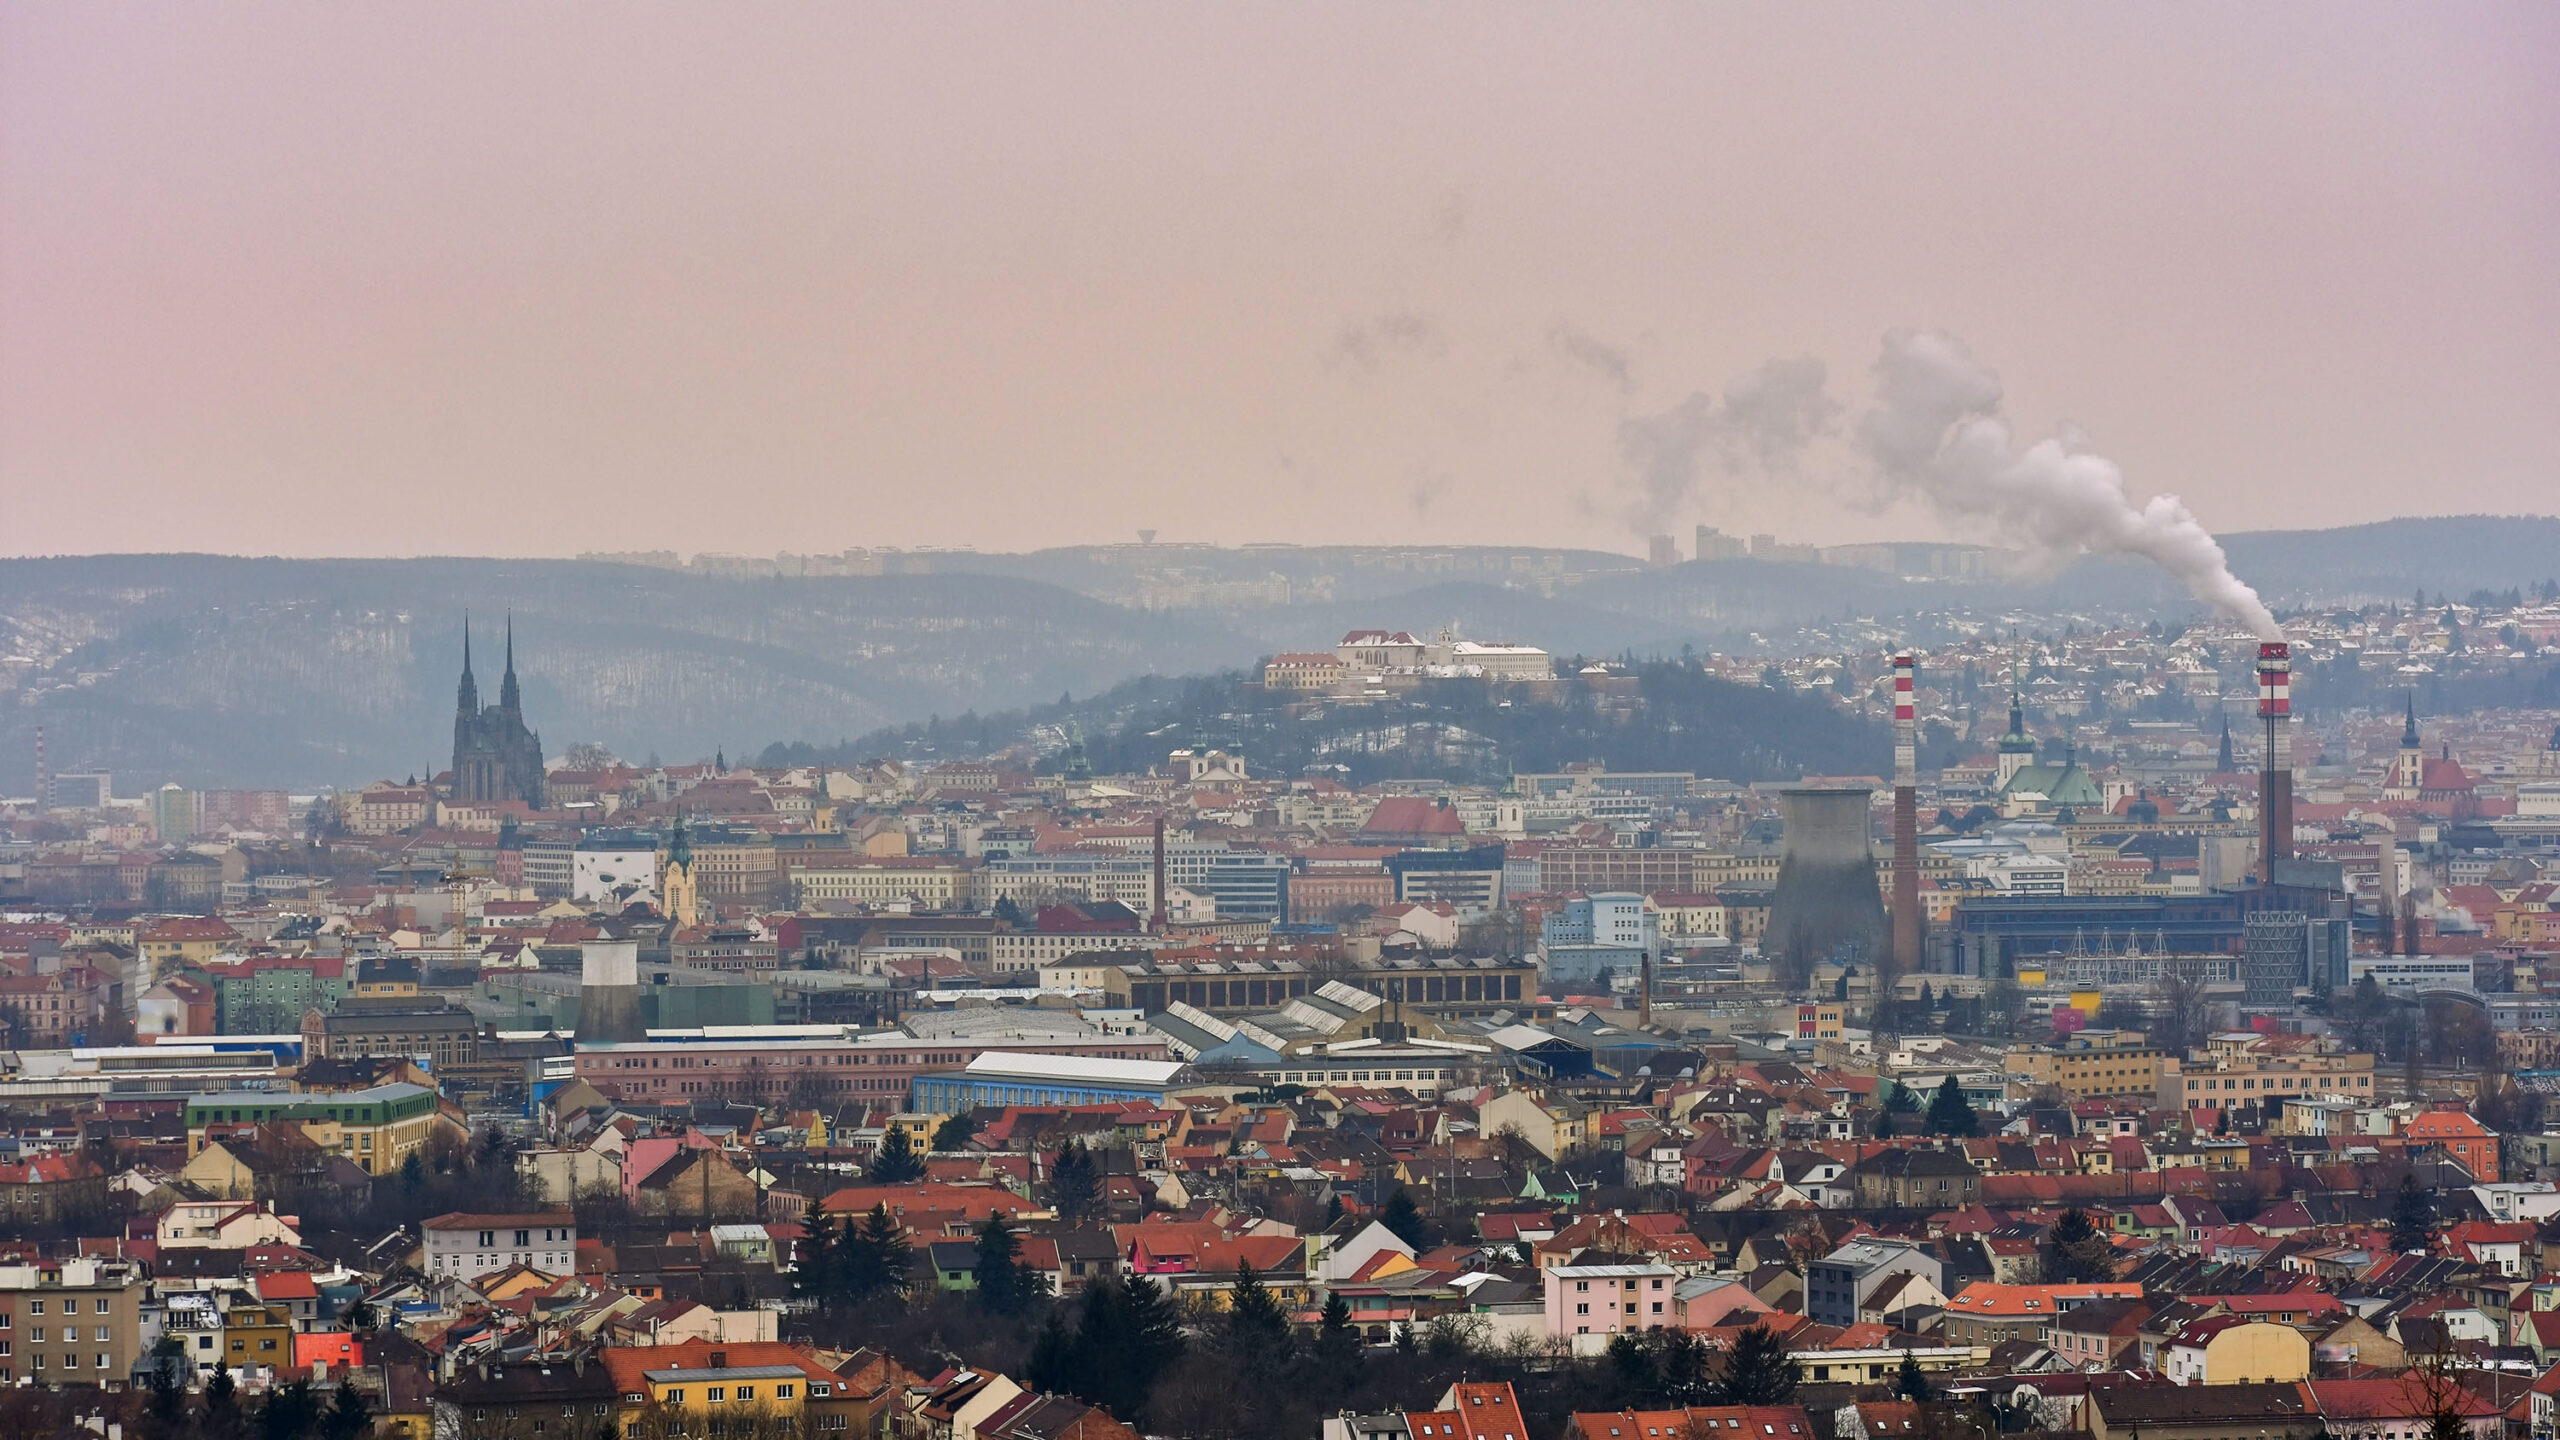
1522,1037
1015,1023
1085,1069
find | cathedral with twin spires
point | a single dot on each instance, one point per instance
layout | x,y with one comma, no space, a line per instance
494,756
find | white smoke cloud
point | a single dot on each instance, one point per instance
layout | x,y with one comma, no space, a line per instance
1768,419
1933,432
1936,431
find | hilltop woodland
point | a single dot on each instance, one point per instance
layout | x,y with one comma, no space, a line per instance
1646,715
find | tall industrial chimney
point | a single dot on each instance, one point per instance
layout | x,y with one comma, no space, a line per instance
1905,959
2275,765
1156,922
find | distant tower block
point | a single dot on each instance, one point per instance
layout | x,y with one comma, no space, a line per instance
609,992
1826,903
1906,831
2275,768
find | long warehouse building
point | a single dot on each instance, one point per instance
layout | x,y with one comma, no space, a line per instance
772,1062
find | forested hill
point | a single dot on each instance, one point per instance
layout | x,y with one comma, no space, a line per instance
211,670
215,670
1679,718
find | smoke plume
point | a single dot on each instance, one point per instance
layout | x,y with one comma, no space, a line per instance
1371,342
1936,431
1768,419
1933,432
1581,347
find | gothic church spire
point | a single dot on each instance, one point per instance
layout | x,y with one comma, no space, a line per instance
466,698
507,698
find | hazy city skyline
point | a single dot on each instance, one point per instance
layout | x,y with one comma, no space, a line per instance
486,281
1018,721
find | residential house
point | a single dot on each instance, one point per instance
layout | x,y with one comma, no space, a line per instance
1987,1314
2097,1336
2235,1350
1586,1304
2203,1412
1838,1286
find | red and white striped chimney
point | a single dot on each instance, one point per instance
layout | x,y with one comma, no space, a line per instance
1906,740
2275,765
1906,830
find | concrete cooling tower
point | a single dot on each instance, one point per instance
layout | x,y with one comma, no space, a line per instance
1827,903
609,992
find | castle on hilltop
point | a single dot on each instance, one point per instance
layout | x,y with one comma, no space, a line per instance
494,756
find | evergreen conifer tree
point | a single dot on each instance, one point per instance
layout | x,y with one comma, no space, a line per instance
820,1273
1152,1325
2076,1251
1337,1343
1075,1185
896,1162
168,1404
1404,1220
1055,1366
221,1403
348,1416
1631,1364
1950,1114
1256,1330
875,1259
1003,1284
1758,1371
289,1412
2413,1216
1105,1364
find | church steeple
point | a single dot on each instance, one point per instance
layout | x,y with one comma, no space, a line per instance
678,889
2409,768
2017,741
2225,764
507,698
466,698
2017,749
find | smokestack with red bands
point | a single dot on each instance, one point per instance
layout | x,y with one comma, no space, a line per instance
2275,766
1906,831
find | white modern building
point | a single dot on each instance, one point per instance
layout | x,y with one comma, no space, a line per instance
614,872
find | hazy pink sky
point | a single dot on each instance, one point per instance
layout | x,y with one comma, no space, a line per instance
535,279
